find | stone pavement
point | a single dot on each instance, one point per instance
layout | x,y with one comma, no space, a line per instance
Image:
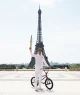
18,83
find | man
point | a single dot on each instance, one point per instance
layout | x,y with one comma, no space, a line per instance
39,60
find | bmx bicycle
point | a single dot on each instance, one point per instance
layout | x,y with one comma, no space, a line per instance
47,81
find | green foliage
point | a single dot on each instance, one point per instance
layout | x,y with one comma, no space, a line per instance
60,66
75,67
4,66
21,67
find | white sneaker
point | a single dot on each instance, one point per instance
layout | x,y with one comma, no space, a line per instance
37,90
40,89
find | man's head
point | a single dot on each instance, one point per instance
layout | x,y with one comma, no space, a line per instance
39,51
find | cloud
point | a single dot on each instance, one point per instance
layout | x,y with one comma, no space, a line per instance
48,3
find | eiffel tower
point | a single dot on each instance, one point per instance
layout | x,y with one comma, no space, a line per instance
39,42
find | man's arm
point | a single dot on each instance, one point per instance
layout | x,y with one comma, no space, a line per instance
44,61
32,55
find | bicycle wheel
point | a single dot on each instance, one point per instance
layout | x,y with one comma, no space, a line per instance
49,83
33,81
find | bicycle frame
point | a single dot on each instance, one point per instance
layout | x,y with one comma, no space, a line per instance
45,76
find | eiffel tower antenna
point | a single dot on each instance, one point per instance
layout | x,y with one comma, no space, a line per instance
39,6
39,33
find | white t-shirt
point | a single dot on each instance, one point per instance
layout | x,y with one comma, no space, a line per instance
39,61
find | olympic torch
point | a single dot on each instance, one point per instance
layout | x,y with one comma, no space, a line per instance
30,48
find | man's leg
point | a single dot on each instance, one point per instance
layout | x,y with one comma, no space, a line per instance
40,78
36,79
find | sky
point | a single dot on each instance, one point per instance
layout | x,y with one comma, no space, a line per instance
60,30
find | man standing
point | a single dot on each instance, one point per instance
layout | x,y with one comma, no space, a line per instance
39,60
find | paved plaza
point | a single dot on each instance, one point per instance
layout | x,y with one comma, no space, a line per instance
18,83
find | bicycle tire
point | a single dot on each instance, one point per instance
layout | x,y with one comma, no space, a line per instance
32,81
46,83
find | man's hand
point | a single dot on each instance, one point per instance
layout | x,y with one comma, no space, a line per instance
49,67
30,49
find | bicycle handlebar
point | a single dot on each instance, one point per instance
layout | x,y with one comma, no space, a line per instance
46,70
